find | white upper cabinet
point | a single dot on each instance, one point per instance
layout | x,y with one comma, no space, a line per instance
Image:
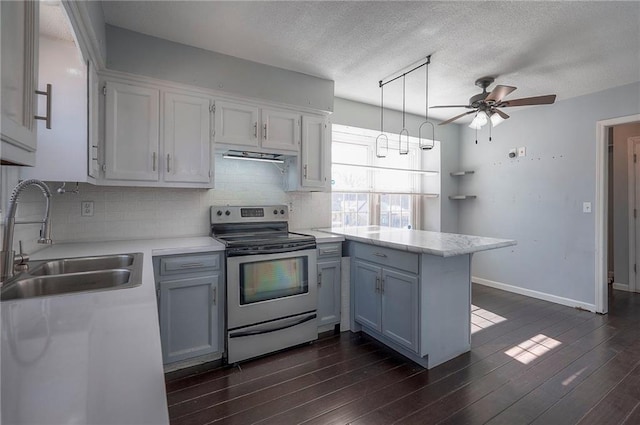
187,126
315,153
280,130
250,127
19,81
236,124
156,136
132,120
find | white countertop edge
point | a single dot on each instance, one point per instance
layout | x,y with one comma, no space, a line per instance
487,244
321,237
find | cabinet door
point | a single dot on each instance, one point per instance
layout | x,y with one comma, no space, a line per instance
328,292
19,80
187,126
314,152
189,317
280,130
400,308
367,302
236,124
131,132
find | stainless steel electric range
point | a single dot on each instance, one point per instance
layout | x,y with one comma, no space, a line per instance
271,280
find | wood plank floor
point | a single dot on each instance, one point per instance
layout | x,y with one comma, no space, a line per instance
531,362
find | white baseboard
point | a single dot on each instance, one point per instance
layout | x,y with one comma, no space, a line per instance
534,294
621,287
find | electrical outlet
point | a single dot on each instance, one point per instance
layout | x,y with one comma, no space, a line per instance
87,209
586,207
522,151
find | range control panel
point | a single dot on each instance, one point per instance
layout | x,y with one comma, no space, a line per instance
240,214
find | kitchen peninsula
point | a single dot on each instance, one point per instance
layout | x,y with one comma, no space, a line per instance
411,289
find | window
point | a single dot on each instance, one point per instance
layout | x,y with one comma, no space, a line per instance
367,190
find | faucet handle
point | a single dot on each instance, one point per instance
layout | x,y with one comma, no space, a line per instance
20,260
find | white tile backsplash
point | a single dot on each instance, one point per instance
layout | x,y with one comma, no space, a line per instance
141,213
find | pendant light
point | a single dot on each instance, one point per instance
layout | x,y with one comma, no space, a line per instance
382,141
403,137
424,145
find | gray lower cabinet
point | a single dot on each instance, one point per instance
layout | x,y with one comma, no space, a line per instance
329,269
399,294
386,300
190,305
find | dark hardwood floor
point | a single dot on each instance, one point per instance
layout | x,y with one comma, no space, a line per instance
531,362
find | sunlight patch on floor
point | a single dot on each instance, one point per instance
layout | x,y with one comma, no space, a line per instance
531,349
482,319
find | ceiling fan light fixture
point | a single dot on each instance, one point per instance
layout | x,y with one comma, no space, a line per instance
496,119
479,120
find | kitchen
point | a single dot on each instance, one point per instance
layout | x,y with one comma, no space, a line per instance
557,172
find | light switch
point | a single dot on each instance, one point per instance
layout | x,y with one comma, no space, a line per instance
586,207
522,151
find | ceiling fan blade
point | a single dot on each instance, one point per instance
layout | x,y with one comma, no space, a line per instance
536,100
498,93
451,106
456,117
502,114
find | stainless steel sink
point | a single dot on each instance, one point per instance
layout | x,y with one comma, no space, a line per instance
84,264
74,275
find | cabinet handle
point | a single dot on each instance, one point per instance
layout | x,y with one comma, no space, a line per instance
319,278
329,251
305,170
377,284
190,265
168,163
255,130
379,254
265,131
153,156
215,295
47,118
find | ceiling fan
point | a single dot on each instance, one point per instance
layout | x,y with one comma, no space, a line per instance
485,105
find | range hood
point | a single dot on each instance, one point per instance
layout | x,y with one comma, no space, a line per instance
254,156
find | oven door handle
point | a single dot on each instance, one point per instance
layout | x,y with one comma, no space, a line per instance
273,329
271,251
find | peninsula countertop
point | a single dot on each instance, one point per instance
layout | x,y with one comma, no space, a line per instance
420,241
90,357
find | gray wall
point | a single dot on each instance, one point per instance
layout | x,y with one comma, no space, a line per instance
537,200
440,213
136,53
620,197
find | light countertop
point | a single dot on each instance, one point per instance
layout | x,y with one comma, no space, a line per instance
321,237
420,241
89,357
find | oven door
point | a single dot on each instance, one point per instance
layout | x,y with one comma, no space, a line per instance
265,287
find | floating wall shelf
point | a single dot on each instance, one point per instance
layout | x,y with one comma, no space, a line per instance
461,173
461,197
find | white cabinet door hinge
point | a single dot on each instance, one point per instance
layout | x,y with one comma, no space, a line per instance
212,108
104,90
104,168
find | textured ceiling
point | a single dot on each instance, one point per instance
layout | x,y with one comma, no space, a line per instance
566,48
53,21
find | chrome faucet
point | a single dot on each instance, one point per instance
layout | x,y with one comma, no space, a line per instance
7,255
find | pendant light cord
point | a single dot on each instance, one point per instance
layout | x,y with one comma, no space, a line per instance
426,91
403,98
381,108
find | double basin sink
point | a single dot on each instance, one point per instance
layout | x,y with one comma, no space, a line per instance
73,275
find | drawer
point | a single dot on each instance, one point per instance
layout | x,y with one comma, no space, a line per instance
189,263
402,260
330,250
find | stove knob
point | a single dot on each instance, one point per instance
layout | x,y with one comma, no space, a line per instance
227,212
275,211
219,213
281,211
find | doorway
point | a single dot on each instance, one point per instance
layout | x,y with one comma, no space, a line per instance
620,212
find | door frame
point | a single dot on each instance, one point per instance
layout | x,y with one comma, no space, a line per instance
601,213
632,142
